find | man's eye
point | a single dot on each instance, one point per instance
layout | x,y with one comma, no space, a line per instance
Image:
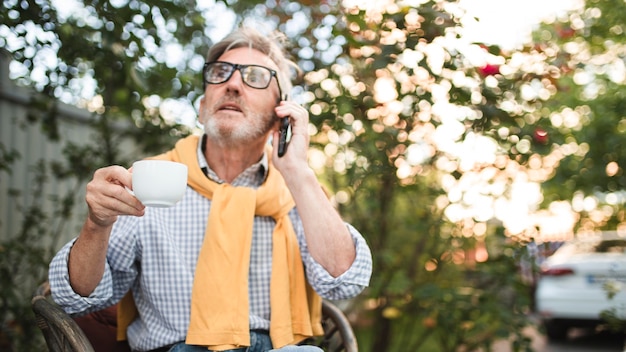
220,73
257,75
254,77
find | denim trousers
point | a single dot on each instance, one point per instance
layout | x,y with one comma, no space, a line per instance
259,342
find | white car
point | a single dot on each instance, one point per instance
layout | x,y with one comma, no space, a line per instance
574,285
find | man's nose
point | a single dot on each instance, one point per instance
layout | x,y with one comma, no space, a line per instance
235,82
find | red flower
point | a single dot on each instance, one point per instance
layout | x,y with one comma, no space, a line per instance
489,70
540,135
565,32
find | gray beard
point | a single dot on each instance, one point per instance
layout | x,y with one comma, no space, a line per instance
260,126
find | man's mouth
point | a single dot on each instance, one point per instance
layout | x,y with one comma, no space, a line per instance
229,107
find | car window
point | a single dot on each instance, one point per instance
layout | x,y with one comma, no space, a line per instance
611,246
596,244
580,247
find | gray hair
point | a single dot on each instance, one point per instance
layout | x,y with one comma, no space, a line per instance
269,45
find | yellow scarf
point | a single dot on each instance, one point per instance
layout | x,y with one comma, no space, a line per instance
219,301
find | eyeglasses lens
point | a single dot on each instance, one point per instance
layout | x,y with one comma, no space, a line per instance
253,75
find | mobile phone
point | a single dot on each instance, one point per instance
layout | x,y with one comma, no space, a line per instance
283,134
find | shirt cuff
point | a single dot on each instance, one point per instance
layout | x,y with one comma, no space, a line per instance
64,295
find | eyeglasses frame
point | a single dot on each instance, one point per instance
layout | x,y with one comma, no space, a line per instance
239,67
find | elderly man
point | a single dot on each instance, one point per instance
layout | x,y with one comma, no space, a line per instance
242,262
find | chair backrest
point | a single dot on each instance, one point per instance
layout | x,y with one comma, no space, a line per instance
63,334
60,331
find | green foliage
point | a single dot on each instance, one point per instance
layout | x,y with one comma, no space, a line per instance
614,316
422,295
590,89
436,313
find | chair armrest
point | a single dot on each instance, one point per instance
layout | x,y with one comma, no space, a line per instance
338,333
59,330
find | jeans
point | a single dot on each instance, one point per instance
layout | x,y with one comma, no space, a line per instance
259,342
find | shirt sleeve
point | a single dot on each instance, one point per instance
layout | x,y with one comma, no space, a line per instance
64,295
347,285
117,279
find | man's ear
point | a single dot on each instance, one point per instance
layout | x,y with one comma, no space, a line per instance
201,107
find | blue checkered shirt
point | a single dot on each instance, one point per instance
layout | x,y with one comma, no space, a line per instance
156,255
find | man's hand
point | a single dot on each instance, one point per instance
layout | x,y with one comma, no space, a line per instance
296,157
108,196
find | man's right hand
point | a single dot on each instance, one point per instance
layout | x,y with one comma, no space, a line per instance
108,196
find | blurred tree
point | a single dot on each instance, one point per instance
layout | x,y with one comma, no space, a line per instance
586,52
391,110
123,49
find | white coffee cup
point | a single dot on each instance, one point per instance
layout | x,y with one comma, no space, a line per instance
159,183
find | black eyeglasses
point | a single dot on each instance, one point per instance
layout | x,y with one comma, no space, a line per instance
254,76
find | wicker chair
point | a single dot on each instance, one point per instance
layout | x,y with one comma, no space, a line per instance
338,333
59,330
63,334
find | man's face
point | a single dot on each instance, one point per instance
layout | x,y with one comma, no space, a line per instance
233,112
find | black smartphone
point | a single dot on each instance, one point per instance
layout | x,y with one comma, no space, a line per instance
283,134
